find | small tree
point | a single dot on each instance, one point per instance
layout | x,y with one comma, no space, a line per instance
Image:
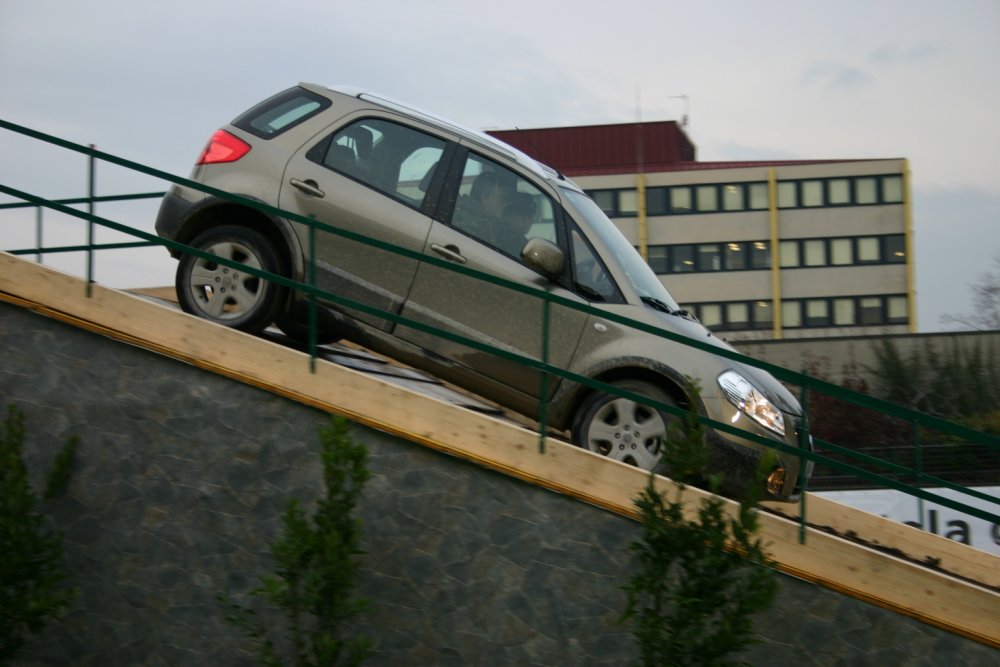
698,581
985,302
32,590
316,568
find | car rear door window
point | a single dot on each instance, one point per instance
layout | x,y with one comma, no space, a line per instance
394,159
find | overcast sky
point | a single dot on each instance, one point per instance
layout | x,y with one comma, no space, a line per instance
150,80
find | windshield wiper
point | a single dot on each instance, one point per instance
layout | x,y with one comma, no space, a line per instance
655,303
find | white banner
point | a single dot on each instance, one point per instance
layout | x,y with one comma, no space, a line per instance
936,519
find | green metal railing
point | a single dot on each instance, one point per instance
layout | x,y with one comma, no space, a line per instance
878,471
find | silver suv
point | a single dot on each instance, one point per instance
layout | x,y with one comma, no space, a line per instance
378,169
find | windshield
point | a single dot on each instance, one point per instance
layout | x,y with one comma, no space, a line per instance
640,276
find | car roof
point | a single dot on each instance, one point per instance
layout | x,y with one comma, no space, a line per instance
481,139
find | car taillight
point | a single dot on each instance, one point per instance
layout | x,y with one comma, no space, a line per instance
223,147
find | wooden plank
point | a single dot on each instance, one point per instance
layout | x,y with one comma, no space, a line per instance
960,606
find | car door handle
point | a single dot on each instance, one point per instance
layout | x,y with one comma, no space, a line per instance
449,251
309,187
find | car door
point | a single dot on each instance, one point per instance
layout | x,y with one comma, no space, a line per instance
492,314
370,176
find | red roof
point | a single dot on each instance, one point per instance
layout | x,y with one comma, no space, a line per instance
606,148
597,150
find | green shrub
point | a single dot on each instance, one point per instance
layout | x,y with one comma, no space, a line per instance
698,582
32,590
316,568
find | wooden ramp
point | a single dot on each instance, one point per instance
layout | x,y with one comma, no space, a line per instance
925,576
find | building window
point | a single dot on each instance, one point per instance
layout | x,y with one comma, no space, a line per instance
789,251
682,259
758,196
710,314
815,252
870,310
656,201
894,248
760,255
680,200
842,252
868,250
606,200
708,198
658,258
866,190
755,196
839,191
736,257
762,318
788,194
709,257
892,189
628,202
812,193
732,197
791,314
898,313
817,313
843,312
737,315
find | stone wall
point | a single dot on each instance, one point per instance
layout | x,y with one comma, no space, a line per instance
182,476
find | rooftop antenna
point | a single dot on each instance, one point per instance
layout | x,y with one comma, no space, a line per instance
687,109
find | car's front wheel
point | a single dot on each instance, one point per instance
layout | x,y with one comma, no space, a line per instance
623,429
226,295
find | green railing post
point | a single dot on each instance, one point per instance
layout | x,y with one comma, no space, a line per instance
313,334
543,406
38,234
91,188
918,465
803,445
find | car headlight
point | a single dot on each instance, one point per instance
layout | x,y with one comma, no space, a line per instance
752,402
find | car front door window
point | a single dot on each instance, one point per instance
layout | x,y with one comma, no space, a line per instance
501,208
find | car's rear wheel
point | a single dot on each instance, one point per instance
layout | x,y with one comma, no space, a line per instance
623,429
227,295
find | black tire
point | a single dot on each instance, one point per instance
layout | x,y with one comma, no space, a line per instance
225,295
623,429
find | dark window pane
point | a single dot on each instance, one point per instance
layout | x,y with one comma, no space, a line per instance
736,256
817,313
709,257
760,255
762,318
658,258
894,248
656,201
606,199
870,309
682,259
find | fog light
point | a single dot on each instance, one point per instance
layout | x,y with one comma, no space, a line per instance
776,481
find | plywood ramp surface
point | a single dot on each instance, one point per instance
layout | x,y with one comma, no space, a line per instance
960,594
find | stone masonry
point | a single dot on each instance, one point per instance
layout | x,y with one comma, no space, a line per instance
181,479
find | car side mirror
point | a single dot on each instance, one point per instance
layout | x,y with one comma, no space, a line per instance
543,256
